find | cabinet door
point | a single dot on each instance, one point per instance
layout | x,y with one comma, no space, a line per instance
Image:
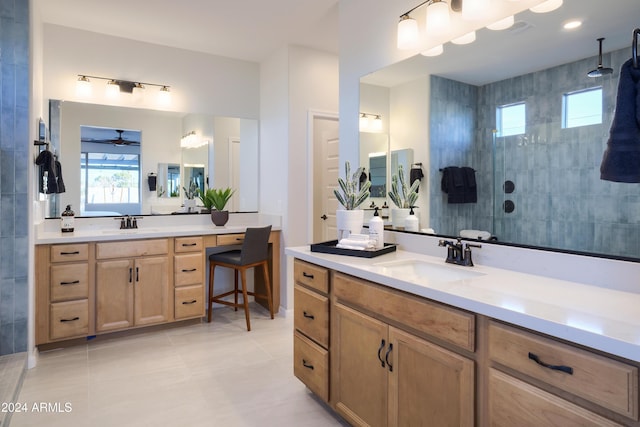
358,375
114,294
428,385
516,403
151,290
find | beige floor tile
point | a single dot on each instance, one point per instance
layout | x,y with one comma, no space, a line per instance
208,374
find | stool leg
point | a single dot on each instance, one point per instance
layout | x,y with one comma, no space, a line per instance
235,287
245,297
267,285
212,269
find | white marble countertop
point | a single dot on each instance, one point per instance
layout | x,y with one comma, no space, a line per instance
107,229
599,318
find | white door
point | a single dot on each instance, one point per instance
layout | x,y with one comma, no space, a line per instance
326,144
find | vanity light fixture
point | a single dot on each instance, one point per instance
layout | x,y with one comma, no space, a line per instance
547,6
116,86
407,32
475,9
438,20
370,122
191,140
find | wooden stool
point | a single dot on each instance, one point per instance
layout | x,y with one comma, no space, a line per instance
254,253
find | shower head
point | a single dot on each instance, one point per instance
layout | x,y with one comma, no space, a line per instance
600,71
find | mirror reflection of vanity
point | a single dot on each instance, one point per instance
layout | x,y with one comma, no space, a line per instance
540,187
225,155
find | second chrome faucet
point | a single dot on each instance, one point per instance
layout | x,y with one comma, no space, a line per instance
457,253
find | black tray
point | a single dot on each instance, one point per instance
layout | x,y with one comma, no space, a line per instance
330,248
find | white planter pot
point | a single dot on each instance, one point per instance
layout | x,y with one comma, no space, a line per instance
398,216
190,204
349,222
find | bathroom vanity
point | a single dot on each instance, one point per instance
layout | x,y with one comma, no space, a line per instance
99,280
405,339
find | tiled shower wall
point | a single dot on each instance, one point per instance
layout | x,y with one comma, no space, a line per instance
14,167
559,198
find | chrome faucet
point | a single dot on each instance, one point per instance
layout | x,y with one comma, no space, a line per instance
457,253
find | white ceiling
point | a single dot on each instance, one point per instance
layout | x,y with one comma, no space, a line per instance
243,29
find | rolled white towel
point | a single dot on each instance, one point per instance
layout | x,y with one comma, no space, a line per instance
359,237
351,243
355,248
475,234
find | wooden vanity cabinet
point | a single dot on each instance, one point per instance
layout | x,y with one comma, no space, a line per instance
384,372
311,324
132,285
188,273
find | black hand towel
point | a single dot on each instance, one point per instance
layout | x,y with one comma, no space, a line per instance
470,191
47,164
61,188
621,159
453,184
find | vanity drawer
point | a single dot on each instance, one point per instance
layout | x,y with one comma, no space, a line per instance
414,313
72,252
132,248
311,365
230,239
188,244
189,302
311,315
69,281
601,380
69,319
311,275
188,269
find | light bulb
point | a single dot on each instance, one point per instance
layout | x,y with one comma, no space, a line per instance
164,96
377,123
112,90
438,19
465,39
502,24
83,87
547,6
407,33
364,122
434,51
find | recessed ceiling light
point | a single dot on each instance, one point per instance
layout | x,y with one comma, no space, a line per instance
572,24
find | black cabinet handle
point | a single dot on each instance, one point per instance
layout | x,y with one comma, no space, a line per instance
70,320
307,365
189,302
307,275
184,270
382,343
386,357
240,239
137,274
70,253
189,244
130,275
75,282
308,316
562,368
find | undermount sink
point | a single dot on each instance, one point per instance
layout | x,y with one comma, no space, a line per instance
413,269
130,231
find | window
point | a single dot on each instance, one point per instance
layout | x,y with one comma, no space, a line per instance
511,119
582,108
109,178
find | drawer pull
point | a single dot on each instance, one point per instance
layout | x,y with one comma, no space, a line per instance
240,239
386,357
190,302
189,244
382,343
306,365
70,320
137,274
130,275
566,369
308,316
189,270
70,253
307,275
75,282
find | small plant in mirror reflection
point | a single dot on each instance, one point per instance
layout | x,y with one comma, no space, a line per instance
160,191
192,192
354,193
402,195
216,198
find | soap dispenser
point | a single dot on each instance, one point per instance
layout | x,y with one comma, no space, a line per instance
411,223
376,229
67,216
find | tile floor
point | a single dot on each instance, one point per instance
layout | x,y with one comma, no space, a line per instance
215,374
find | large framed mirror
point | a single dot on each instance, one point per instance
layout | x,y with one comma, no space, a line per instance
538,185
223,153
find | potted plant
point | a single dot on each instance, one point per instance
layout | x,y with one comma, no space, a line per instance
190,194
351,194
215,200
403,196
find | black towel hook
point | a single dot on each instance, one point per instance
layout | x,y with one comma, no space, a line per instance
634,47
